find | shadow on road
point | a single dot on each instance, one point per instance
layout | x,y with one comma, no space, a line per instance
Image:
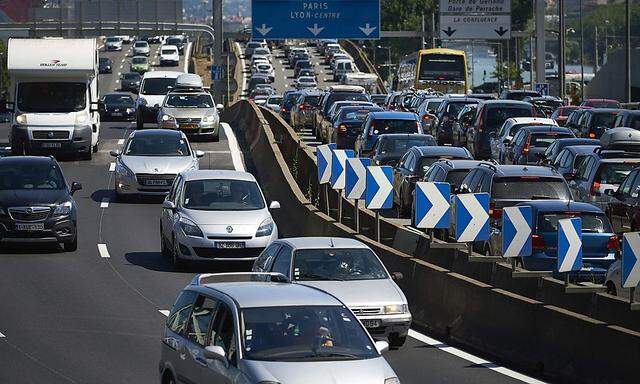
153,260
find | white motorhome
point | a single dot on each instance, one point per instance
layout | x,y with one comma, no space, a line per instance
54,96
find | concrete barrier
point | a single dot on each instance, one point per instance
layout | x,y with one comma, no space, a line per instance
532,334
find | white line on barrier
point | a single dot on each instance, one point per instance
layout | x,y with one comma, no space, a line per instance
104,203
243,90
104,252
471,358
164,312
120,141
217,152
187,52
112,167
234,148
1,335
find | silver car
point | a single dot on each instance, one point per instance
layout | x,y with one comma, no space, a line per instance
258,328
141,48
150,161
349,270
191,111
216,215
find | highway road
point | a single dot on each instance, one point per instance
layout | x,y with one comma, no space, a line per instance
96,315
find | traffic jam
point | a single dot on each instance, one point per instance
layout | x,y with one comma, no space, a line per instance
301,309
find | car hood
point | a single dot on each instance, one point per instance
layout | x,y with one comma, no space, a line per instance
188,112
358,293
26,197
159,164
374,370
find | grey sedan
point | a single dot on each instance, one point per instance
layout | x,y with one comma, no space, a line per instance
192,112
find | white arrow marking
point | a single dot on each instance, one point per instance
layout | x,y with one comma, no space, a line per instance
439,208
361,172
315,30
264,30
478,217
367,29
340,180
574,245
385,188
634,243
523,231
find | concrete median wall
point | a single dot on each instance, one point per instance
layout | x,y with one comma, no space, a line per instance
527,323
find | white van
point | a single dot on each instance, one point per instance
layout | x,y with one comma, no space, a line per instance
153,88
169,55
54,96
343,67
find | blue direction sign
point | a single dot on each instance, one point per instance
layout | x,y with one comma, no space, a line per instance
433,207
517,224
217,72
326,19
569,244
356,177
338,160
379,188
631,260
472,217
324,154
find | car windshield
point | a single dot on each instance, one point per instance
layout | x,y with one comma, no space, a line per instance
306,80
591,222
526,188
603,119
614,173
189,101
157,145
355,115
634,122
104,60
118,99
140,44
274,100
174,41
382,126
51,97
222,195
337,264
543,140
157,86
30,176
400,145
311,100
113,39
455,177
304,333
131,76
427,161
344,96
139,60
454,108
497,116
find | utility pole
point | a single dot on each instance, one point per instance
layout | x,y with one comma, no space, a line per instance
627,46
423,43
562,58
581,54
217,47
540,42
596,49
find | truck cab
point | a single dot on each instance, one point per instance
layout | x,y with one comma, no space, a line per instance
54,96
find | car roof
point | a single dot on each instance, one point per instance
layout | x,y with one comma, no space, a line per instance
155,132
161,74
561,206
20,160
209,174
604,110
267,294
581,148
441,150
393,115
404,136
524,170
168,46
322,242
458,164
511,103
546,128
582,140
526,120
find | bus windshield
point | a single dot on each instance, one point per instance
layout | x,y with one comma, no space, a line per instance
442,67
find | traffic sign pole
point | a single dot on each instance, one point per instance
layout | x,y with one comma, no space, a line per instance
340,207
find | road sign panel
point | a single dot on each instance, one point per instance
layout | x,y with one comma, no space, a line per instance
475,6
631,260
379,188
323,154
217,72
475,27
433,207
542,88
569,244
517,224
472,217
356,177
328,19
338,160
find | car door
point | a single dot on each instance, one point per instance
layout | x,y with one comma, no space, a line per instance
174,341
619,207
282,262
509,148
581,181
398,175
224,333
167,215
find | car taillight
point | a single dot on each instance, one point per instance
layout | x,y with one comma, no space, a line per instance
426,117
302,107
537,242
525,149
592,135
595,188
613,244
495,213
418,126
342,128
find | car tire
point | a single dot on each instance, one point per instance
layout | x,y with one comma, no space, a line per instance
164,250
71,246
396,341
88,155
178,264
611,288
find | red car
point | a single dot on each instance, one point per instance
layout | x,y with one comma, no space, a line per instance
561,114
600,103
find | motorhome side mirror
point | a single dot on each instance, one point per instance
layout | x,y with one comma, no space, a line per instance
115,152
215,352
397,276
382,346
75,186
274,205
168,204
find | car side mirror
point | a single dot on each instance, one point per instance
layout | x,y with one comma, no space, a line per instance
382,346
156,106
569,176
199,153
609,192
396,276
168,204
9,106
219,107
274,205
115,152
215,352
75,186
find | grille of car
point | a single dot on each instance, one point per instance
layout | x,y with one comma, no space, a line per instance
29,213
148,178
365,311
210,252
188,120
50,135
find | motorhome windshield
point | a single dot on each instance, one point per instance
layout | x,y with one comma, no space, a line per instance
51,97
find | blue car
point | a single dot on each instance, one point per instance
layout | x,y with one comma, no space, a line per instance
599,243
380,123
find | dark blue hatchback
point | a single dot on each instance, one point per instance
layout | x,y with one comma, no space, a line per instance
380,123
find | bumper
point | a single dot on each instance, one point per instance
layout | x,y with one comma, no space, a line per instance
113,47
109,115
204,129
169,62
397,325
56,230
593,269
198,248
80,141
129,186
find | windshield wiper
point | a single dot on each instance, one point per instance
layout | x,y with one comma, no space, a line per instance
320,277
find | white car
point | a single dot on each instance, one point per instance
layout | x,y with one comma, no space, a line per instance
169,55
265,69
274,102
216,215
613,282
141,48
154,87
306,82
113,43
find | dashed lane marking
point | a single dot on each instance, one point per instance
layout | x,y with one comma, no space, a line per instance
233,147
120,141
471,358
112,167
104,252
164,312
104,203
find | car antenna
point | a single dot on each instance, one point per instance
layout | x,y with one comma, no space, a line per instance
331,242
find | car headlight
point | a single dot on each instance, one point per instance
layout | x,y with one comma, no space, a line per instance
129,110
395,309
392,380
81,118
190,228
123,170
209,119
167,118
21,119
265,228
63,209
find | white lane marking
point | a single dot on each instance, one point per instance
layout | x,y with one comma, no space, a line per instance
104,203
217,152
1,335
104,252
121,66
120,141
471,358
164,312
112,167
234,148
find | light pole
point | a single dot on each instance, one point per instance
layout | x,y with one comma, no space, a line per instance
561,62
388,63
627,46
581,54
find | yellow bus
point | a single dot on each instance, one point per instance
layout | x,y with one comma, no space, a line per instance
440,69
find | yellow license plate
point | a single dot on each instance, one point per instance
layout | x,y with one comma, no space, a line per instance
189,126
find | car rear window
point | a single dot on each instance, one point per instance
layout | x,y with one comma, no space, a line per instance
455,177
529,187
543,140
591,222
344,96
614,173
312,100
604,119
382,126
496,116
402,145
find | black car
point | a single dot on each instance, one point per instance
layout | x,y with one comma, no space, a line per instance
595,121
105,65
389,148
518,94
130,82
178,42
347,124
446,116
36,204
117,106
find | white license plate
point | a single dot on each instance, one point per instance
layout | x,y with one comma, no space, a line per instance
157,182
30,227
116,114
369,323
51,145
230,244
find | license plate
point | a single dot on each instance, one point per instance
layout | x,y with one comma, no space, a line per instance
189,126
116,114
230,244
369,323
51,145
157,182
30,227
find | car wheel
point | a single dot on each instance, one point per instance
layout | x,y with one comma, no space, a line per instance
175,258
164,250
611,288
71,246
87,155
396,341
